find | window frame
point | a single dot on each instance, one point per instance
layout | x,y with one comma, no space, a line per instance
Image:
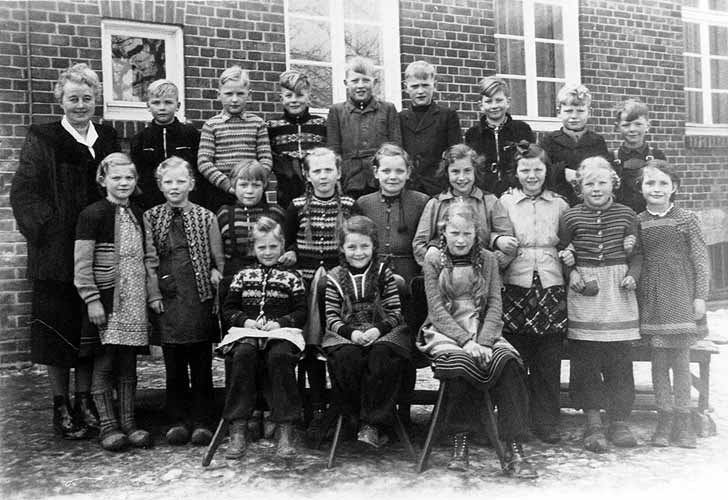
704,17
174,66
390,66
572,59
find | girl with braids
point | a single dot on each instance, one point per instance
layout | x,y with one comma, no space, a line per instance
267,304
534,296
462,337
312,223
461,167
366,344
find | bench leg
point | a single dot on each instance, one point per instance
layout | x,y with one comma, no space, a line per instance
402,435
335,442
217,438
704,390
427,448
491,428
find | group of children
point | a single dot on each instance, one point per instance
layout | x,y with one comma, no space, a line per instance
333,275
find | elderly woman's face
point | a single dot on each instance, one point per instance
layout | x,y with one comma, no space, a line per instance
78,103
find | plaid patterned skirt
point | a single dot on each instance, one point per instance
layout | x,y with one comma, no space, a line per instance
534,311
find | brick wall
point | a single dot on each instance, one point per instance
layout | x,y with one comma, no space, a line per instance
628,49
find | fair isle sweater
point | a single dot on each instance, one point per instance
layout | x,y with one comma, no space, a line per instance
227,139
322,249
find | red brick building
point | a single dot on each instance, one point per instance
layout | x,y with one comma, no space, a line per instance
673,55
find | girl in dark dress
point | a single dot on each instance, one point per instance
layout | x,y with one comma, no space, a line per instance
54,182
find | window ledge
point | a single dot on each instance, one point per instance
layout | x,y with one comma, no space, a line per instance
540,124
710,130
706,137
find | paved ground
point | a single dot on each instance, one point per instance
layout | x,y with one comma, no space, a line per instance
34,464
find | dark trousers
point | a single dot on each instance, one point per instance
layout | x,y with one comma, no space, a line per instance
365,381
542,357
464,405
114,363
189,393
601,377
246,366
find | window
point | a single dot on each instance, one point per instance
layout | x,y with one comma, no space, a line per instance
706,66
133,55
321,35
537,51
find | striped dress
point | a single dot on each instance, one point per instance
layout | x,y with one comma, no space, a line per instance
675,272
597,237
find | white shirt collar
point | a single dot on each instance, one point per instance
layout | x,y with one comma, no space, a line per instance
88,141
660,214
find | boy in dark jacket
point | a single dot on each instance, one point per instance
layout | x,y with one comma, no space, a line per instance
574,142
428,129
496,136
164,137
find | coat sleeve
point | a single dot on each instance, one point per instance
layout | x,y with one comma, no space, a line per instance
83,257
151,262
29,193
698,257
232,311
425,231
334,310
333,131
298,306
492,326
454,132
262,145
218,256
206,160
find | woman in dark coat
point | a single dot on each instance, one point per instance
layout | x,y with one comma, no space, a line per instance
55,180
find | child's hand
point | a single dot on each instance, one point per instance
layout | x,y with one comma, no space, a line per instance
371,335
629,283
215,277
480,353
96,313
157,306
251,323
270,325
577,282
570,176
699,308
507,244
357,336
288,259
629,243
567,257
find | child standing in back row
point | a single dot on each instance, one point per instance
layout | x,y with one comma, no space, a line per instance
602,305
186,265
672,292
111,279
232,136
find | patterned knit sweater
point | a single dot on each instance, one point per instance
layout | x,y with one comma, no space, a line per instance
203,236
277,293
236,225
227,139
322,248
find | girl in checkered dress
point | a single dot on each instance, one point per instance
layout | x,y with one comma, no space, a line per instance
534,296
672,292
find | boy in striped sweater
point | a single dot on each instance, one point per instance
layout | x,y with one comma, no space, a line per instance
232,136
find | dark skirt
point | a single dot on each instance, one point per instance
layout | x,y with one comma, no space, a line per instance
56,326
459,364
535,311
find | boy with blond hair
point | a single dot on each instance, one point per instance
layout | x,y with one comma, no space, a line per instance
231,136
573,142
293,134
165,136
357,127
428,128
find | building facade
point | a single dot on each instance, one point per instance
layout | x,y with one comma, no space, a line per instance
672,55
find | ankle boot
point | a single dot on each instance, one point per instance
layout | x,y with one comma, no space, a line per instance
285,446
269,428
110,437
137,437
459,460
85,412
516,463
661,437
684,431
238,441
63,422
255,426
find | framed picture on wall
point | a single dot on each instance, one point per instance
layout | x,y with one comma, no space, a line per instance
133,56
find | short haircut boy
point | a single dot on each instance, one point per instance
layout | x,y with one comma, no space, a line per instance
250,170
362,65
491,85
266,225
174,162
630,110
421,70
573,94
162,88
235,74
295,81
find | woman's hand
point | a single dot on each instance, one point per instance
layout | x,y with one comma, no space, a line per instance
288,259
96,313
157,306
480,353
507,244
576,281
699,308
629,283
251,323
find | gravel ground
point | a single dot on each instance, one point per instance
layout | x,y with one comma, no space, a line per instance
35,464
